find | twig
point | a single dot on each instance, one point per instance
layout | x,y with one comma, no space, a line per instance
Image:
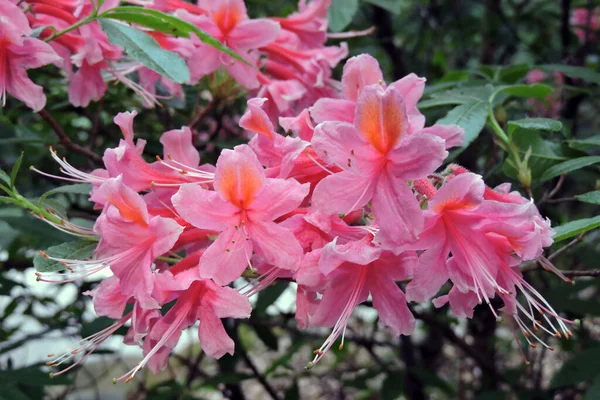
554,191
258,375
65,140
202,114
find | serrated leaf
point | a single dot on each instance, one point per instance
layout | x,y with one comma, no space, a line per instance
166,23
143,48
586,74
541,124
78,188
569,166
536,90
576,227
341,13
15,170
471,117
76,250
590,197
581,367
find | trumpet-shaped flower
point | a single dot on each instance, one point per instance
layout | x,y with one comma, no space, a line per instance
243,207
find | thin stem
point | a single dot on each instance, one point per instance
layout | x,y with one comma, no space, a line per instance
76,25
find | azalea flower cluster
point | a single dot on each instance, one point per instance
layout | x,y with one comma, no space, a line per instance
287,61
347,204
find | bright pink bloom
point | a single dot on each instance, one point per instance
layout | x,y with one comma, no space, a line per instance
377,155
309,23
583,19
243,208
228,21
354,270
18,54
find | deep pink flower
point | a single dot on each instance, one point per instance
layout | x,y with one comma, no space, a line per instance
377,155
243,208
18,54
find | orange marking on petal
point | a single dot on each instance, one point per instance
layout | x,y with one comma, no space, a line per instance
240,184
128,211
381,118
228,15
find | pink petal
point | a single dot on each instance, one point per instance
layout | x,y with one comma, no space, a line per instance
253,33
278,197
14,22
86,85
125,121
204,60
397,213
203,208
239,176
417,156
276,245
326,109
337,296
390,303
255,119
359,252
166,231
462,304
134,273
130,204
381,117
306,304
109,301
429,275
339,143
227,302
454,135
227,257
177,144
411,88
342,193
19,85
214,340
301,125
464,191
33,53
359,72
244,74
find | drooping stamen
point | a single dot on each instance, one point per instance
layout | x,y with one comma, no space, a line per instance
68,227
67,169
548,266
87,345
262,282
342,322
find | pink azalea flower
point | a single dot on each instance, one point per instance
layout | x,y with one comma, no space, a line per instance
198,300
582,19
377,155
228,21
309,23
351,272
243,208
18,54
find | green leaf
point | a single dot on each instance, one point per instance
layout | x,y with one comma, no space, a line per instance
166,23
586,74
584,144
574,228
569,166
340,14
78,188
268,296
536,90
593,392
146,50
392,6
471,117
463,95
15,170
4,177
581,367
541,124
75,250
590,197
